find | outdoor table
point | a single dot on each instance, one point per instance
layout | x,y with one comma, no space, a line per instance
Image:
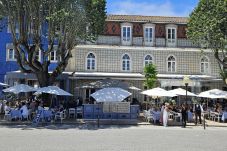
224,116
47,114
16,114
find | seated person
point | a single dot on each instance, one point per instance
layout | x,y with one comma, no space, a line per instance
151,110
7,109
175,109
219,110
40,107
32,106
61,108
24,110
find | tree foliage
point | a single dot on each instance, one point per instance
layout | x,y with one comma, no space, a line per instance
49,25
150,73
208,27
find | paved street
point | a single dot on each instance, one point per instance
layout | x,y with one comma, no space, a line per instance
132,138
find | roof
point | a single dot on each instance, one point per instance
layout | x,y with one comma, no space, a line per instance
150,19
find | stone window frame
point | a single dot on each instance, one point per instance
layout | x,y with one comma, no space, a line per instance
130,62
144,61
151,26
131,29
8,58
9,47
86,59
205,62
171,42
167,62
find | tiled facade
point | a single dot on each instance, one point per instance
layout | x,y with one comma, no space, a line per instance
108,59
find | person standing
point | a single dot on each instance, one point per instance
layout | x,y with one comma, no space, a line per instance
161,115
165,115
197,111
24,111
184,115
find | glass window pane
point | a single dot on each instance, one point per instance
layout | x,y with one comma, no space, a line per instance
11,54
169,66
173,33
173,67
150,34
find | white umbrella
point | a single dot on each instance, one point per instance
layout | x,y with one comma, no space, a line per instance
110,95
158,92
106,83
20,88
213,94
134,88
180,91
52,90
3,84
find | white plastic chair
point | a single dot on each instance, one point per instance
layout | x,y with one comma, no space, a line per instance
72,111
218,117
7,115
60,115
147,115
212,116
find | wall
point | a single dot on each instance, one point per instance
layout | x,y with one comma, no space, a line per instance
108,59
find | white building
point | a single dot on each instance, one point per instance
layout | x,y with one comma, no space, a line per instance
129,42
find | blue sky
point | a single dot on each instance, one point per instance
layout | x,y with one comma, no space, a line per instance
151,7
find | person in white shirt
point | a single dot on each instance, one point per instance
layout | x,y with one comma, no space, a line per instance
7,109
166,114
40,107
24,111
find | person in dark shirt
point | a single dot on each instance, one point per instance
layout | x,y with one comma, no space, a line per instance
184,115
197,112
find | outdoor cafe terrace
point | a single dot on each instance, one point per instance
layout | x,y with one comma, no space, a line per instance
111,104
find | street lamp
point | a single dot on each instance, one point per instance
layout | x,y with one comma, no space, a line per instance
186,81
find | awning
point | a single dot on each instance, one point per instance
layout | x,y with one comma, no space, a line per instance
103,75
137,76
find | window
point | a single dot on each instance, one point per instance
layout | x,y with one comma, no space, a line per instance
148,34
126,33
171,35
90,61
11,55
204,65
38,55
53,56
126,63
147,60
171,64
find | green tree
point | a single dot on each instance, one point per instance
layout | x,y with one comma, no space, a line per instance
49,25
208,26
150,73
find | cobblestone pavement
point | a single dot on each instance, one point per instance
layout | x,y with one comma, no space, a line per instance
112,138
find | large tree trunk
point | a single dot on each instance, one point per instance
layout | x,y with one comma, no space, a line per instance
44,81
43,78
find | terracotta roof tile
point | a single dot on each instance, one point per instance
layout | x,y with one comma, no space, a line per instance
151,19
